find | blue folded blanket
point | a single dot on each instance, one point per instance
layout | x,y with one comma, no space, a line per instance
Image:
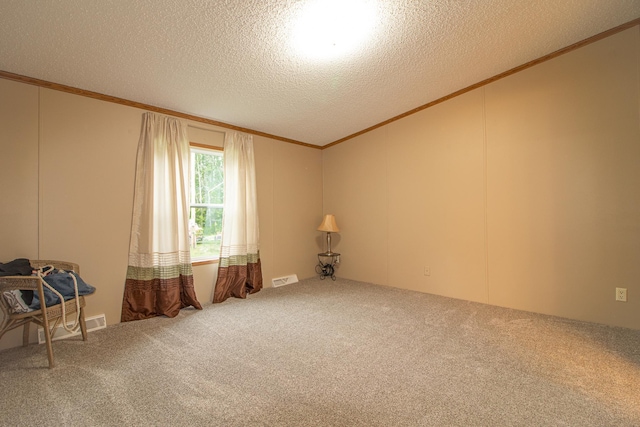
62,282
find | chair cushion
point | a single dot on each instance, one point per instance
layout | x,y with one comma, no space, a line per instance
17,267
15,301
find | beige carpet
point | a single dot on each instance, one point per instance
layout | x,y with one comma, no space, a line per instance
323,353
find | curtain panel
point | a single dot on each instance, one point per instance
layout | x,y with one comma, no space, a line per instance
239,269
159,275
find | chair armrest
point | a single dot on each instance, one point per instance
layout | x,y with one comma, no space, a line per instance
11,283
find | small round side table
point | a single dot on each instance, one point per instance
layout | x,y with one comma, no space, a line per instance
326,264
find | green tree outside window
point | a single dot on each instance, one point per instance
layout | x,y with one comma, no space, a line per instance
207,197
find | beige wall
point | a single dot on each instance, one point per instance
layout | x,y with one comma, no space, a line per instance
67,167
563,144
355,191
19,177
18,169
523,193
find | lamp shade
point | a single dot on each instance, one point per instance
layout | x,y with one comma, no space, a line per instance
329,224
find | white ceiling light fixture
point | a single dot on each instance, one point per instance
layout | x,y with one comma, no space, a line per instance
326,29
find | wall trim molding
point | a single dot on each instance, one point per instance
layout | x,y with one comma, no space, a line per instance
108,98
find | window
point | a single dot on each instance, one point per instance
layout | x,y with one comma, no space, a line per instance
206,202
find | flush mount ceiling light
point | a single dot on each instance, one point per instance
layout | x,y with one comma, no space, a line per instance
327,29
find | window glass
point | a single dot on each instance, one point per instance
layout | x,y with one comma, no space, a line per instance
207,197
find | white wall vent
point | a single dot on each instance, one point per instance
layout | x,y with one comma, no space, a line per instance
93,323
285,280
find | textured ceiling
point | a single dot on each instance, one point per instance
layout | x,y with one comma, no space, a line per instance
232,60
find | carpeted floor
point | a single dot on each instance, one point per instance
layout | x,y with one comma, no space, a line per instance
323,353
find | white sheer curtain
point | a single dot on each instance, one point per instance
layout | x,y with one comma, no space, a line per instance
240,269
159,276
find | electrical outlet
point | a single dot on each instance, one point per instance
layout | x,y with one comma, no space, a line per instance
427,271
621,294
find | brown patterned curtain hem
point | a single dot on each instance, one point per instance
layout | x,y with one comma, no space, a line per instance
144,299
237,281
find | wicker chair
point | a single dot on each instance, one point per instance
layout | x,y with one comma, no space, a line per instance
48,318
